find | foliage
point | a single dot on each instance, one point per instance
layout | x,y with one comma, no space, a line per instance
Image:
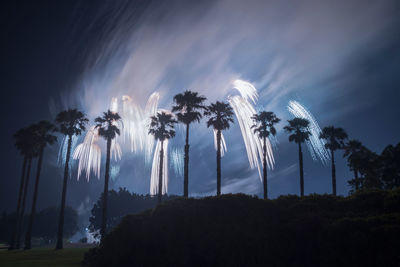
71,122
298,130
107,125
188,106
120,204
240,230
376,171
264,123
220,115
334,137
162,126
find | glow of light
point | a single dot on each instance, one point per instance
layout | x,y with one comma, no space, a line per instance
244,112
155,170
315,146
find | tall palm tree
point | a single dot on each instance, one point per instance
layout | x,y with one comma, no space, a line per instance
23,144
70,122
334,140
220,115
42,136
354,151
299,133
187,107
31,151
162,127
108,129
264,125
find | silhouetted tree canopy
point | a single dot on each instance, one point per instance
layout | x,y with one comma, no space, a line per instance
240,230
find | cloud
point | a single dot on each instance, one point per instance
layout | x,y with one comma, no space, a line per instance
287,49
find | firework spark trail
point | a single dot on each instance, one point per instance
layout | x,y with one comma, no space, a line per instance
177,161
88,154
155,169
62,152
133,125
315,145
244,111
223,143
135,121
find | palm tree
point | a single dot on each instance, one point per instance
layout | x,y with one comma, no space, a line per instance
334,140
162,127
31,151
264,123
108,129
187,107
42,136
220,116
23,143
354,152
71,122
299,133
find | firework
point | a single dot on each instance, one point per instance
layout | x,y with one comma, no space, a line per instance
135,121
88,154
244,112
62,152
134,127
177,161
315,146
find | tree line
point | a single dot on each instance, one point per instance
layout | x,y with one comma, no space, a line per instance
370,170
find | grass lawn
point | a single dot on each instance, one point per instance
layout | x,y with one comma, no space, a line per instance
67,257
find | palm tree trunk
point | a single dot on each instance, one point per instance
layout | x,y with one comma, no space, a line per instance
59,244
160,173
333,173
265,183
21,187
301,171
35,193
356,178
186,167
21,215
105,193
218,163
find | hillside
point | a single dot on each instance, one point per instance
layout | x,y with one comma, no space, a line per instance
240,230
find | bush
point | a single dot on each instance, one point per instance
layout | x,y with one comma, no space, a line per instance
240,230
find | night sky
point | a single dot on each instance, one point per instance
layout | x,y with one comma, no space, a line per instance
340,59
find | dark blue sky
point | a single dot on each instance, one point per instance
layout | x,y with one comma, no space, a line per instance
340,59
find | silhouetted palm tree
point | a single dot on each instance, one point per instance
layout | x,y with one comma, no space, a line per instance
108,129
334,140
264,123
299,133
162,127
24,143
220,116
187,107
70,122
42,136
354,151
